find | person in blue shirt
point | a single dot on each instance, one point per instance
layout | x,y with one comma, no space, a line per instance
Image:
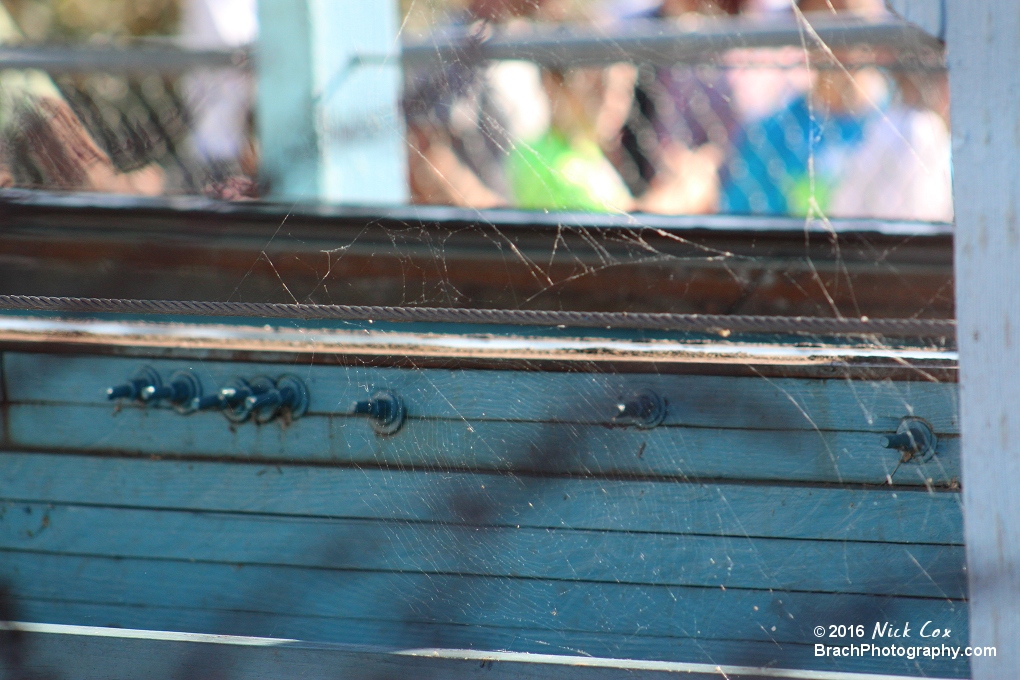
790,162
793,161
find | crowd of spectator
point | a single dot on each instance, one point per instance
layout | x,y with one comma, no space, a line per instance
788,139
776,132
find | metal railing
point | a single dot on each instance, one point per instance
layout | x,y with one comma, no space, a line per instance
656,42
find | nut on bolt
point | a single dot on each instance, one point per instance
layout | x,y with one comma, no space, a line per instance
385,410
914,439
290,396
644,408
144,378
182,390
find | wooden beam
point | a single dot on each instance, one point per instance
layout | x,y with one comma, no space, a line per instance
983,52
330,126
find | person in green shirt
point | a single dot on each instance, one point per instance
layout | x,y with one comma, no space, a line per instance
566,169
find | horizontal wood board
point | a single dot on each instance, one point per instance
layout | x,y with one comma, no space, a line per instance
500,517
99,654
487,499
480,395
543,448
330,605
554,554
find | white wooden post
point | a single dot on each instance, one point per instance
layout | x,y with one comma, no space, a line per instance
329,119
983,39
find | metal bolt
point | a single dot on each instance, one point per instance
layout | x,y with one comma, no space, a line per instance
143,379
182,390
385,410
236,394
644,408
914,438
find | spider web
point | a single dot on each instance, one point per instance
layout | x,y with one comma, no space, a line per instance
506,515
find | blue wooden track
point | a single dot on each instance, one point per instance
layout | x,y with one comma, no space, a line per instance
512,511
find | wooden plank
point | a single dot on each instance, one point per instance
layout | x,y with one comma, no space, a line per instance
743,510
703,401
700,453
554,554
982,55
334,604
101,653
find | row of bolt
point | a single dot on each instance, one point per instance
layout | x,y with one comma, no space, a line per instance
261,398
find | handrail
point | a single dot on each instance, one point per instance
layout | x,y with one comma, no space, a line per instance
647,41
84,59
666,42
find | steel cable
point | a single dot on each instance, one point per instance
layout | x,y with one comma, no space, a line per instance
706,323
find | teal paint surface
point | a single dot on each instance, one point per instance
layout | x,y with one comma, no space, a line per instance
99,658
509,513
414,610
555,554
540,448
696,400
668,507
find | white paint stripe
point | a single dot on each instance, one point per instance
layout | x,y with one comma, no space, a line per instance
452,654
336,340
131,634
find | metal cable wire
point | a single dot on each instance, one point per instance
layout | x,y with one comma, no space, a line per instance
705,323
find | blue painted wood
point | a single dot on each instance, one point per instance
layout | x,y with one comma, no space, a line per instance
555,554
108,653
334,605
702,401
776,455
461,530
741,510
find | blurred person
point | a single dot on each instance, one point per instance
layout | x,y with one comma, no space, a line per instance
463,117
675,110
903,167
575,163
566,169
44,144
848,147
221,100
764,80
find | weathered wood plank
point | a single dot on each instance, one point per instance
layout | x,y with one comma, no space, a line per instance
703,401
335,603
983,53
742,510
701,453
102,653
555,554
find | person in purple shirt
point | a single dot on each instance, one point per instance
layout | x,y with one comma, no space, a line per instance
677,109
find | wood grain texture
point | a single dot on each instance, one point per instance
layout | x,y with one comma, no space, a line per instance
508,513
330,605
487,499
983,53
546,448
553,554
700,401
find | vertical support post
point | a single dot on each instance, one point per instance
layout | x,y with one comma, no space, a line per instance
329,115
983,40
